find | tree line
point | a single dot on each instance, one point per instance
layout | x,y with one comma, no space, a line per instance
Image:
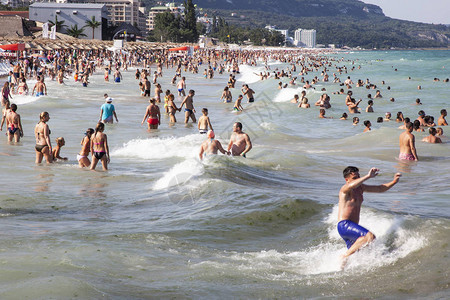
171,28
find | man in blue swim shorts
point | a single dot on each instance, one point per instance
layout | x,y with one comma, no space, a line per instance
350,201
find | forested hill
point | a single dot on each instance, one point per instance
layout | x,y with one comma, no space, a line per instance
342,22
298,8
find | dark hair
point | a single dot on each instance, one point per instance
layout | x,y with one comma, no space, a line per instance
432,131
380,120
347,171
443,111
238,125
204,110
13,107
409,125
416,124
370,102
407,120
366,123
89,131
421,113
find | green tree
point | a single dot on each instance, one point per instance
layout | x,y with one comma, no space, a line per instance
59,24
93,24
167,28
190,21
75,31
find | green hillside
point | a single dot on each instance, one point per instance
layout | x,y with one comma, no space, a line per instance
342,22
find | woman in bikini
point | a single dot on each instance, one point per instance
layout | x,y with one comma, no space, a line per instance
22,89
6,93
99,147
83,160
172,108
43,145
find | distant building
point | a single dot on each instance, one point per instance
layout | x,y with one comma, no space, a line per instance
176,10
282,31
305,38
120,11
72,14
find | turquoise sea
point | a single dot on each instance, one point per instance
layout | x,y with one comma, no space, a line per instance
162,224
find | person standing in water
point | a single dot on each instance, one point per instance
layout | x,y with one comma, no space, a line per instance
350,201
99,147
83,160
240,143
154,115
211,146
14,124
42,133
407,144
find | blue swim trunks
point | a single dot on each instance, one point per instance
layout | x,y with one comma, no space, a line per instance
180,90
350,231
117,79
39,94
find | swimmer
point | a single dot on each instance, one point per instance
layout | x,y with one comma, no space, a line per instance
60,142
204,122
153,114
42,134
82,157
350,202
380,120
368,125
369,107
181,86
355,121
14,124
99,147
211,146
442,121
189,109
6,93
344,116
432,139
421,117
295,100
439,131
172,108
240,143
418,102
407,144
249,92
117,76
237,104
226,95
387,116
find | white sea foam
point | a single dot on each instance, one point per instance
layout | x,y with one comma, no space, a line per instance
161,148
24,99
248,73
287,94
180,174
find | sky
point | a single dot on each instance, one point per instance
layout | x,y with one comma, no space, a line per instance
426,11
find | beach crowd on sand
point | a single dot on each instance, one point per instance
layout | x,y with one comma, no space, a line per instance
152,65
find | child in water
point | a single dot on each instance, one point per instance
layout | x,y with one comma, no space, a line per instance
60,142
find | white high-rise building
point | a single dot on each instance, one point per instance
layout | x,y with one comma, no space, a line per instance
305,38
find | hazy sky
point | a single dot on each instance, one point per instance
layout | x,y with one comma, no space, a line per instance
426,11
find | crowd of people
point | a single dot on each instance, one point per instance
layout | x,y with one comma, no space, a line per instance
94,145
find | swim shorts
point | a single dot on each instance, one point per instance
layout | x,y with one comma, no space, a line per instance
180,90
406,156
39,94
350,231
251,100
117,79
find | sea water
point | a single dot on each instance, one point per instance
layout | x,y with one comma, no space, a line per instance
160,223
